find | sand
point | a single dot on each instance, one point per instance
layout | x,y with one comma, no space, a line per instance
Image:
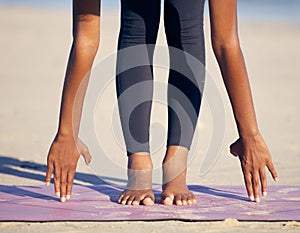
34,45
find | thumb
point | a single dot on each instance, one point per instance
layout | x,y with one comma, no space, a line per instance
84,151
86,155
236,148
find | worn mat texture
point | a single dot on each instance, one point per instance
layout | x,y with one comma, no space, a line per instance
98,203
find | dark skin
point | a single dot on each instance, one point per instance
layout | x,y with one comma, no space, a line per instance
250,147
67,147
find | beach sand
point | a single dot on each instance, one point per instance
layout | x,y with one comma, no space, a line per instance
34,45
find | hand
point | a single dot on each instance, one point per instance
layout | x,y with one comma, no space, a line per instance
254,156
62,158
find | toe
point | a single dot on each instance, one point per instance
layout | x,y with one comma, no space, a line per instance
194,199
191,199
148,201
124,200
178,199
167,200
137,200
120,198
135,203
184,200
130,200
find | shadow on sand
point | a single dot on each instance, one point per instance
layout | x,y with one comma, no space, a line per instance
28,169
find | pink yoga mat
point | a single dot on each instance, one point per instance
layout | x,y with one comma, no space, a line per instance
98,203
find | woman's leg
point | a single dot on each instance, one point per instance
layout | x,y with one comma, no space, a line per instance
139,27
184,31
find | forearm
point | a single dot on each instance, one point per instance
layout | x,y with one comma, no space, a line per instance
75,85
250,147
235,77
67,147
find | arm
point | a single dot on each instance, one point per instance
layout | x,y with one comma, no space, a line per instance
250,147
67,147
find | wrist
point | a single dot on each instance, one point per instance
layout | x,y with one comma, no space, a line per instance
65,135
249,131
251,138
249,134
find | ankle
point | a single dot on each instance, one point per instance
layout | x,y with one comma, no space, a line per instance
175,164
176,151
140,161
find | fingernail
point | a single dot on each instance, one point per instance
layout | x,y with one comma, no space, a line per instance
63,199
68,197
47,183
276,179
264,194
257,200
57,194
251,198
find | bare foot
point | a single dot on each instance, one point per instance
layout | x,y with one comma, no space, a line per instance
139,186
175,190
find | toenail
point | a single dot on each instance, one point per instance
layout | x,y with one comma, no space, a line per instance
135,203
265,194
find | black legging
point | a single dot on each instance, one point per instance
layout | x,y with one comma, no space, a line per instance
183,20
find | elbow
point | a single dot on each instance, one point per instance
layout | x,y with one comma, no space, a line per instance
86,45
225,45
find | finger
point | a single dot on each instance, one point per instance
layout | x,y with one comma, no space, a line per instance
63,186
84,151
272,170
70,180
248,184
57,175
255,186
263,181
87,156
49,172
